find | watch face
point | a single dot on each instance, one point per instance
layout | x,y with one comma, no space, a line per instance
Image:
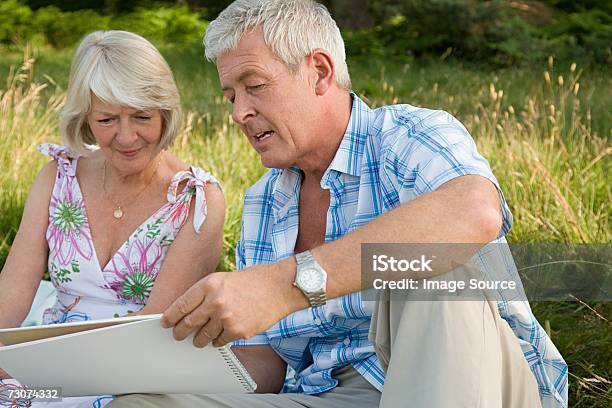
311,280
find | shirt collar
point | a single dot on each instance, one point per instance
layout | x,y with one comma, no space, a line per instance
350,152
347,159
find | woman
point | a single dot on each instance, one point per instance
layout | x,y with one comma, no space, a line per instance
122,226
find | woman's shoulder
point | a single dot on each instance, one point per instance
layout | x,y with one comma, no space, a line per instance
44,183
47,173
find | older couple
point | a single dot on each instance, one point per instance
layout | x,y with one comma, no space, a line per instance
341,174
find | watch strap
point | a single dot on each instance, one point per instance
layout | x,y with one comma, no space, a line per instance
316,298
319,297
304,257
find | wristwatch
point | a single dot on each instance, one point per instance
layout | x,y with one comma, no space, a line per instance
310,278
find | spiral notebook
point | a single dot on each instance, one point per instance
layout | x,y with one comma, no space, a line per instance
129,355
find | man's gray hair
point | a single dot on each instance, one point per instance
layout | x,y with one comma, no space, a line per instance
291,28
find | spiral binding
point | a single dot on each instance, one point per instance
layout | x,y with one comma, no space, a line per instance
238,369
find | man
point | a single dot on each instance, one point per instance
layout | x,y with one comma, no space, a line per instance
342,175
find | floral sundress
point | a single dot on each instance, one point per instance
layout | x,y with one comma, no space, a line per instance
87,290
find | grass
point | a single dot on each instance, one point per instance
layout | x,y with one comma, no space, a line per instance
545,131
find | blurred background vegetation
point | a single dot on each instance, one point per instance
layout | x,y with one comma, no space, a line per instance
530,80
499,32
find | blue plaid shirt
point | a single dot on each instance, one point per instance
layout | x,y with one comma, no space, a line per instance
387,156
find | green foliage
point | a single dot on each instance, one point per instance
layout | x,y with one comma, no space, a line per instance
63,28
585,34
176,25
580,5
471,29
15,25
496,31
60,29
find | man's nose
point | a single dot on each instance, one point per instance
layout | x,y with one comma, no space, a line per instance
243,110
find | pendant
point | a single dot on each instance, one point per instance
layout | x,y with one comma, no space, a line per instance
118,213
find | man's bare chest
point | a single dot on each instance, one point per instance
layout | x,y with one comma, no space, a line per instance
313,206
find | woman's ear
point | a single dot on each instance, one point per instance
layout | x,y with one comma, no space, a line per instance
322,64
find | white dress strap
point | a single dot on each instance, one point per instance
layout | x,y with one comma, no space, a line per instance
64,156
196,179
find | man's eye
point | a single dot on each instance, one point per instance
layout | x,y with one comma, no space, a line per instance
255,87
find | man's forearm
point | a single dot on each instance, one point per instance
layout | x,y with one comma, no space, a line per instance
464,210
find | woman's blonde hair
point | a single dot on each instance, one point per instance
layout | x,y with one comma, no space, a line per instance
120,68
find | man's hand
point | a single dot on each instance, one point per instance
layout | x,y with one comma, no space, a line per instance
227,306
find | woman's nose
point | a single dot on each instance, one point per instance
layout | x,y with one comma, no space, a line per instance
126,133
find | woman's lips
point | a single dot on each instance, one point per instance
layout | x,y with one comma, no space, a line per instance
129,153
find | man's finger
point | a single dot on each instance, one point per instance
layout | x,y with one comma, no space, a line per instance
182,306
191,323
207,333
222,339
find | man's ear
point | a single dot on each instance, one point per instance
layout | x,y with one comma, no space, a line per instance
323,66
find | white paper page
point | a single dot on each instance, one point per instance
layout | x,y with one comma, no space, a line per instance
135,357
24,334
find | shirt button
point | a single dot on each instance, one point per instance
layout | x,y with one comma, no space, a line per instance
317,321
347,341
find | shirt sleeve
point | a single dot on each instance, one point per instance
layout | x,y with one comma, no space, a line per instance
240,259
436,149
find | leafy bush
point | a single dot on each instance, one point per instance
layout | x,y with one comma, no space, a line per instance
468,28
19,24
170,25
496,31
585,34
15,26
66,28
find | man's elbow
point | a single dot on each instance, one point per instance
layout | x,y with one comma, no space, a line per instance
489,223
478,206
483,210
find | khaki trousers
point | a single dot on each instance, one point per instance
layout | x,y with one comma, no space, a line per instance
352,391
450,354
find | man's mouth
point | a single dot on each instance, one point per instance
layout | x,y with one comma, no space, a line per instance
261,136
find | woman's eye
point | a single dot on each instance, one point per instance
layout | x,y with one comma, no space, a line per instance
104,121
143,118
